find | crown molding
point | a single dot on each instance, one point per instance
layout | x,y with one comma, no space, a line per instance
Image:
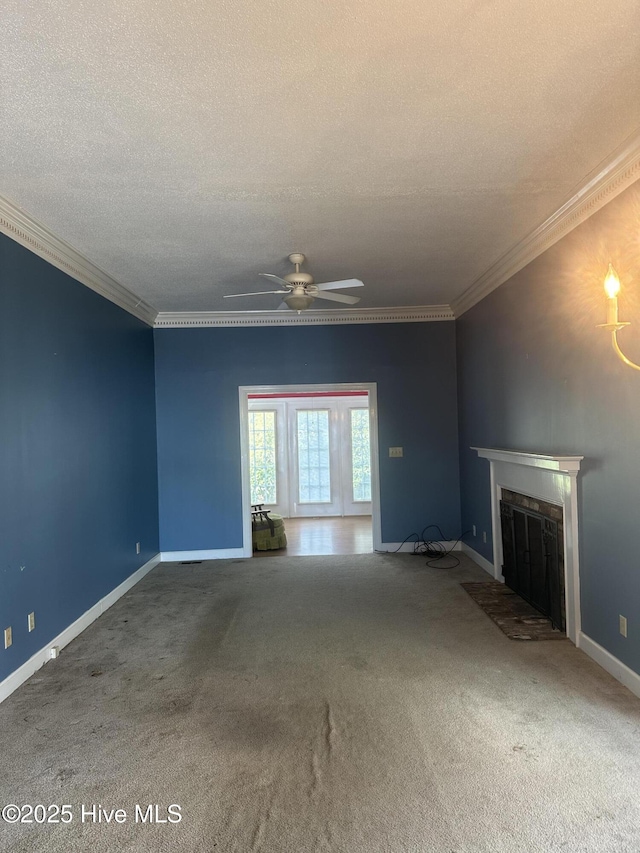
22,228
204,319
618,172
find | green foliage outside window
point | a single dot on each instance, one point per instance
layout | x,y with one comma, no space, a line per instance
262,457
361,454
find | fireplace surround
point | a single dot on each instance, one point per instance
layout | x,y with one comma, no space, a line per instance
548,478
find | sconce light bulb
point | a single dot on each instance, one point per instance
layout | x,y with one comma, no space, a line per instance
612,283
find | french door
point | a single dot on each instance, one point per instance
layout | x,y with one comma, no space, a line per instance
311,456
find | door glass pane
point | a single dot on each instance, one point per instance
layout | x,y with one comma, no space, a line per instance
314,477
360,455
262,457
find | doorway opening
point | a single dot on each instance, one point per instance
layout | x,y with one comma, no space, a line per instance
310,454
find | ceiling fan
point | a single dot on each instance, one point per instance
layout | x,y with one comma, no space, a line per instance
299,291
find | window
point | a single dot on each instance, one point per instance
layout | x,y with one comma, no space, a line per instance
360,455
262,457
314,472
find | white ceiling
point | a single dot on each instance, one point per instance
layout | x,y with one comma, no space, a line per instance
184,146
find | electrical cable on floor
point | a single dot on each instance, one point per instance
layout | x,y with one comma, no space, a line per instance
434,549
400,545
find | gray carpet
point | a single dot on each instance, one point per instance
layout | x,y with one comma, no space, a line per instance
355,704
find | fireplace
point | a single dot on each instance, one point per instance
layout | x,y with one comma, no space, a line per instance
533,553
537,479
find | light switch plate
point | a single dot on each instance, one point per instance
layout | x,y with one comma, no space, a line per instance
395,451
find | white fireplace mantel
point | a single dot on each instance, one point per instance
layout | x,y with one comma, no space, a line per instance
549,478
566,464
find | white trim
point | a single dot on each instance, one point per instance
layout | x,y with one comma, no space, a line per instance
31,234
376,517
478,558
615,667
619,171
243,402
548,478
407,547
203,319
20,675
566,464
212,554
247,538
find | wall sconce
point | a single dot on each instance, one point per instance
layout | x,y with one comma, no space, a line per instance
613,325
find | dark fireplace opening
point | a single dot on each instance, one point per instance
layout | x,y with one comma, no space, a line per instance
533,553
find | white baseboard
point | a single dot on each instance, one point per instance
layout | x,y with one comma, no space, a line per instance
404,547
615,667
478,558
215,554
20,675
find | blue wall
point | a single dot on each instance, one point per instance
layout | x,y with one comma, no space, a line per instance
198,372
78,481
78,473
535,374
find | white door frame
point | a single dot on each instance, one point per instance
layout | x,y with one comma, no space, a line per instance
243,393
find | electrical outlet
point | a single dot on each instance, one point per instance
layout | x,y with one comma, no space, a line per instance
395,451
623,625
31,622
474,530
137,547
484,536
8,637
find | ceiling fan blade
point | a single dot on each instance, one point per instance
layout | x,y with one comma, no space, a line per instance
256,293
275,278
339,285
338,297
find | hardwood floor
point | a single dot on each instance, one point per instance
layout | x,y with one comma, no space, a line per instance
325,536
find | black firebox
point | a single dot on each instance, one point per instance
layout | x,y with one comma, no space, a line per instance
533,560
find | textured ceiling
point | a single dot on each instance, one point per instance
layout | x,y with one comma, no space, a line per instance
186,145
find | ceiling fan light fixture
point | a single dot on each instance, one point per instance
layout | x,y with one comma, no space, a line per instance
300,290
298,301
